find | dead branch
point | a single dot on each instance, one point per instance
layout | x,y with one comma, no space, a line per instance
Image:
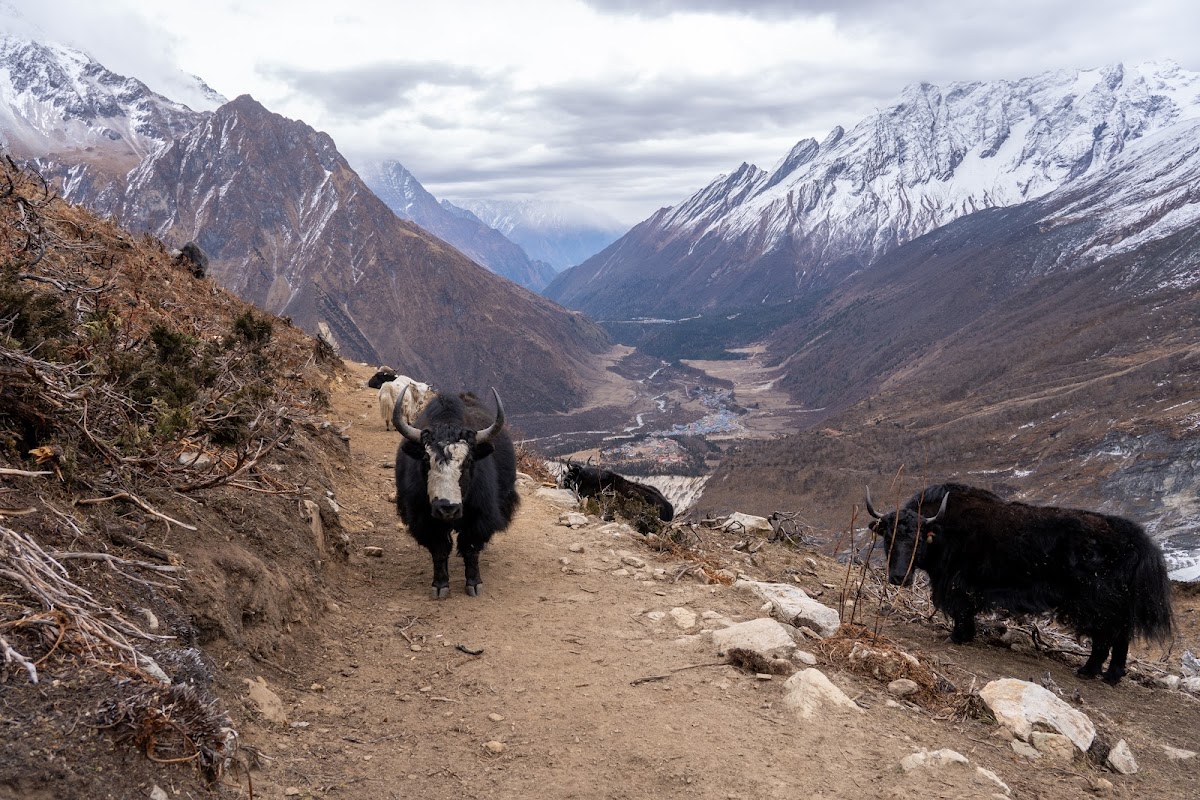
24,473
143,547
11,655
138,502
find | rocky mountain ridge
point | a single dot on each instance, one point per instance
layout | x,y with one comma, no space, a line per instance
405,195
314,243
830,208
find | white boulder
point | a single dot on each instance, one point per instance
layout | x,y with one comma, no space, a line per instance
792,605
809,691
1018,705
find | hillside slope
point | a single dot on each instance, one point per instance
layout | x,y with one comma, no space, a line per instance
292,228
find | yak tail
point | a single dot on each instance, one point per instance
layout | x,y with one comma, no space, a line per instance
1151,588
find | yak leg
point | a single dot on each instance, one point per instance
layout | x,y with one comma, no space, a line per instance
441,568
474,580
1116,667
964,627
470,545
1100,647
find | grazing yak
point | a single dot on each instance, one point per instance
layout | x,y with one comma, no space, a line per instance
456,471
1100,574
589,481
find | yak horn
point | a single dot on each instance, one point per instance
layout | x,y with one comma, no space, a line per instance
483,436
406,430
870,508
941,509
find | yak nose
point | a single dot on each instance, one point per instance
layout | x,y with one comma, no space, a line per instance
446,510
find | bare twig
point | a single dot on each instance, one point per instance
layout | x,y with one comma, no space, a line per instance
138,502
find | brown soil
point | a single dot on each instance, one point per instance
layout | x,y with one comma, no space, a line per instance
383,703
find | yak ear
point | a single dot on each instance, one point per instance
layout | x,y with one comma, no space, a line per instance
483,450
412,449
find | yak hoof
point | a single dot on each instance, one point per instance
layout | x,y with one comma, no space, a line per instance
441,592
473,589
1084,672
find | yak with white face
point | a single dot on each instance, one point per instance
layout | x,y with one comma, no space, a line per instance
456,473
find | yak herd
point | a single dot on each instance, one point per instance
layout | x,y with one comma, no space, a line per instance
1101,575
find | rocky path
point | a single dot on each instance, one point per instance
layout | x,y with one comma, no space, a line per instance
579,673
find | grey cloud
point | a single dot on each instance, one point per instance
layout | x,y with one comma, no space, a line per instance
364,92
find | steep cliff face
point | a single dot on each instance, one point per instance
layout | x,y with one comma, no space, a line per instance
405,195
830,208
292,228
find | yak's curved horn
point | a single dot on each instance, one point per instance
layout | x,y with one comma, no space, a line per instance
406,430
941,510
483,436
870,508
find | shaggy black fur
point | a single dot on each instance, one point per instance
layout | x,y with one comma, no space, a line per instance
589,481
380,378
1100,574
488,486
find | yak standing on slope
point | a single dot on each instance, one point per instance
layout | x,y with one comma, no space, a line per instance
1100,574
456,471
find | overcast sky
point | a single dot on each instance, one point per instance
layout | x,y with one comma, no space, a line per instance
623,105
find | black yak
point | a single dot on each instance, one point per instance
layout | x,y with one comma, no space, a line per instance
456,472
589,481
383,375
1100,574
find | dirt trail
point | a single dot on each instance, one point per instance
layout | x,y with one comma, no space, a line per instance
389,707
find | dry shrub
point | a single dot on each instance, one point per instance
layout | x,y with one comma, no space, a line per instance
171,725
857,649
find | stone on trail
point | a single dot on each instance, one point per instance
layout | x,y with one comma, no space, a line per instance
1019,705
265,700
558,497
933,759
792,605
1054,746
809,691
573,519
1176,754
684,618
903,687
1120,759
764,636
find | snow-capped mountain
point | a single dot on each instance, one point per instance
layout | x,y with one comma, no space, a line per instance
559,233
63,108
831,207
405,195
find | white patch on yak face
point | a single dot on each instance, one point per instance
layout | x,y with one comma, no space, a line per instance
445,471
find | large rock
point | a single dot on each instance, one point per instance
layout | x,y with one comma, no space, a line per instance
809,691
1019,705
792,605
737,522
764,636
